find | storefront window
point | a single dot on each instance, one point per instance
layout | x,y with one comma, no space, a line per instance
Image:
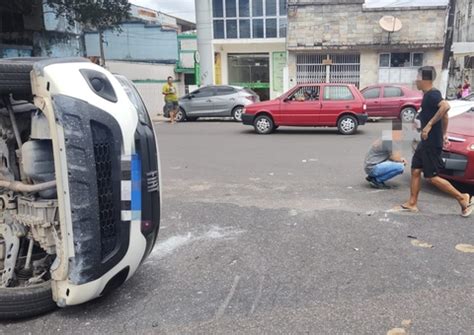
271,28
217,8
257,8
244,26
282,7
258,28
230,8
219,29
271,7
231,26
401,59
283,26
244,8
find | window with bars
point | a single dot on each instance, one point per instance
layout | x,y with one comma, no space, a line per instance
249,18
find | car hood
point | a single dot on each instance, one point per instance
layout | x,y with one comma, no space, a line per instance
263,104
462,124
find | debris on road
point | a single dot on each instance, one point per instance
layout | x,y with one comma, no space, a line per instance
468,248
421,244
397,331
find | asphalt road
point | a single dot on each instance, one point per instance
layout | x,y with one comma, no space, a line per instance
281,234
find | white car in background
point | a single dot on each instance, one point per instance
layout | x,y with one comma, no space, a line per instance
462,105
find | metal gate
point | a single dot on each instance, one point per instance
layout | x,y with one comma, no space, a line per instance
328,68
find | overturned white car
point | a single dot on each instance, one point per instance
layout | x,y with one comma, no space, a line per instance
79,183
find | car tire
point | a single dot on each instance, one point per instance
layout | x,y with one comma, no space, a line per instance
264,125
237,113
191,119
24,302
347,125
180,115
408,114
15,78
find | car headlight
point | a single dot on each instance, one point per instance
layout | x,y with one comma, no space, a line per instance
471,147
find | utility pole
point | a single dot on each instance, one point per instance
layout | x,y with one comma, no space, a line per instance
101,45
204,40
448,43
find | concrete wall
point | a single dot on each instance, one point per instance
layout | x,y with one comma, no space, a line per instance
327,26
370,71
464,22
149,80
248,46
137,41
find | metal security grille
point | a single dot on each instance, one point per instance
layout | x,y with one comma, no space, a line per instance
328,68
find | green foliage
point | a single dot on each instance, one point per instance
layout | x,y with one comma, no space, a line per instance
98,14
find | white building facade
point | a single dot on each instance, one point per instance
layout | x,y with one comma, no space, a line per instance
248,44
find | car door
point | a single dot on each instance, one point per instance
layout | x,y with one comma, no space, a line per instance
373,101
200,102
224,100
335,100
392,101
294,111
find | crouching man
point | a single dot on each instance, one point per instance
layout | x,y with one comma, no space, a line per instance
384,160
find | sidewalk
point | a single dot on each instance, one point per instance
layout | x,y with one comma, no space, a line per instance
159,118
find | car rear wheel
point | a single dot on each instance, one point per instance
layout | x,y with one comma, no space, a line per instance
347,125
408,114
180,115
264,124
237,113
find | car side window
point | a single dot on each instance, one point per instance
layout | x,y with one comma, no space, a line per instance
203,93
372,93
225,90
305,93
337,93
392,92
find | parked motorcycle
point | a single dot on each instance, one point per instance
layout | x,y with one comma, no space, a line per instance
79,183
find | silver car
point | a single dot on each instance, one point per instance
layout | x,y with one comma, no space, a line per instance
215,101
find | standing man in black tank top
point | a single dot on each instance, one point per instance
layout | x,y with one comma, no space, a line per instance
427,158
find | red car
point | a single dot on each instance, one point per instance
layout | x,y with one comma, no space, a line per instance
393,101
458,154
310,105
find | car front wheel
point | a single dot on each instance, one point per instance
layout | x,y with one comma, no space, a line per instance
347,125
264,125
408,114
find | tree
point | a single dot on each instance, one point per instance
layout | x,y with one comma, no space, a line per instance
95,14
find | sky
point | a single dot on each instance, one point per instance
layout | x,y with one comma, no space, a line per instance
181,8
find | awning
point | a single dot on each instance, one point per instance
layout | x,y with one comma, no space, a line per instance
463,48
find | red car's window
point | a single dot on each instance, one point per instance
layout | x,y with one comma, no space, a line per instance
337,93
371,93
392,92
305,93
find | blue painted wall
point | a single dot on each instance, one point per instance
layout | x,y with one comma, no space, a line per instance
138,42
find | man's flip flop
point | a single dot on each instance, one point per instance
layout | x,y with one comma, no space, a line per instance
469,208
404,209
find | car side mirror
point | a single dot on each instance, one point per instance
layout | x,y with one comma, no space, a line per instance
191,96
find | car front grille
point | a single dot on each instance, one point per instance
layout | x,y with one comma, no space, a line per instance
103,146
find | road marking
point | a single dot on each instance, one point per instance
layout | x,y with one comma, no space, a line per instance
227,300
259,295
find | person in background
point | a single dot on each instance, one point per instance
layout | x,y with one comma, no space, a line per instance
466,88
459,92
171,98
384,160
427,157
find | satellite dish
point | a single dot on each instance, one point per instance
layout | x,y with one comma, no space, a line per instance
390,24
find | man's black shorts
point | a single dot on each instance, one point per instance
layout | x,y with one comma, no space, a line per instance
427,158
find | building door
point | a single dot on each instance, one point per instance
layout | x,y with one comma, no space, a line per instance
251,71
328,68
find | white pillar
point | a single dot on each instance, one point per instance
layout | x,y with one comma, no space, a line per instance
204,40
